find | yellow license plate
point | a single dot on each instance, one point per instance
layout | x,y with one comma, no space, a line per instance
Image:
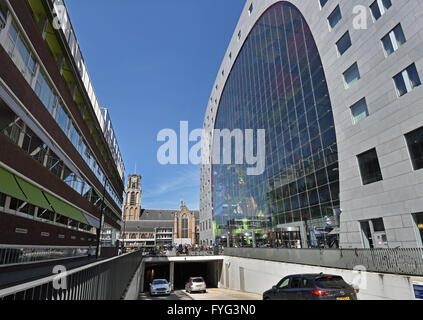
199,286
344,298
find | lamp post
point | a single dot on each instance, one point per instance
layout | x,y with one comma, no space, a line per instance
97,253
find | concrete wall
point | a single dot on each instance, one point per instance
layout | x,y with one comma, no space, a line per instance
257,276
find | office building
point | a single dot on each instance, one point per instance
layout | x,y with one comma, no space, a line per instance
336,84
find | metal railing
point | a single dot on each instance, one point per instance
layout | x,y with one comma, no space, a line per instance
395,261
176,253
13,255
104,280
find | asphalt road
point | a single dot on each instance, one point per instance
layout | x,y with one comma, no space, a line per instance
212,294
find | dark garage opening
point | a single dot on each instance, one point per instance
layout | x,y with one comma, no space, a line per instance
183,271
155,271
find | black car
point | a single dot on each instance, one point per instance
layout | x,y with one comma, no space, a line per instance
311,287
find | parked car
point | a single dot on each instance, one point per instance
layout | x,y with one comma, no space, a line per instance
196,284
311,287
160,286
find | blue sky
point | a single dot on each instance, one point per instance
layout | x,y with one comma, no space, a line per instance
153,64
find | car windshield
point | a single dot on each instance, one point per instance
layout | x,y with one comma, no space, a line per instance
197,280
159,282
331,282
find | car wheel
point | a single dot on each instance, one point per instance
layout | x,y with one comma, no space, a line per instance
267,298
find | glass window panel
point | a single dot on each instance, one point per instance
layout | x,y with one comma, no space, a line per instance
335,17
374,7
400,84
399,35
359,111
413,76
351,75
344,43
387,45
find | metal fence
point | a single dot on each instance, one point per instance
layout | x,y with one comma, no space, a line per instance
104,280
394,261
12,255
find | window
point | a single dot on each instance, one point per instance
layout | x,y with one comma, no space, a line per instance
62,119
20,54
74,136
132,201
379,8
378,225
351,75
369,167
184,227
334,17
393,40
415,147
284,284
44,92
359,111
344,43
418,218
250,9
322,3
407,80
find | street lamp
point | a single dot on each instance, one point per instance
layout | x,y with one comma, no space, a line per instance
101,219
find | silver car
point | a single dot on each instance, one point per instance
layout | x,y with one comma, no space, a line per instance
159,287
196,284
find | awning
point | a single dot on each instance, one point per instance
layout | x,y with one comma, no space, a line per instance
33,194
94,222
65,209
9,186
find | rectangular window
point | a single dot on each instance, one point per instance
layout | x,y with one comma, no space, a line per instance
379,8
359,111
323,3
415,147
407,80
378,225
369,167
45,93
351,75
344,43
62,119
19,53
393,40
334,17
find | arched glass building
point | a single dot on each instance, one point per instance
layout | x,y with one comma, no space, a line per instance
336,86
278,84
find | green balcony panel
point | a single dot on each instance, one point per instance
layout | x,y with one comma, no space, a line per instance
35,195
65,209
9,186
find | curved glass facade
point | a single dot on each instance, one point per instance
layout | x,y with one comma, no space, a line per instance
278,84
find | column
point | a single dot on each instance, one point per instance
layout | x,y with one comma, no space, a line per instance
172,274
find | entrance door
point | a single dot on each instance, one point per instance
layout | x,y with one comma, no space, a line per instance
367,235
